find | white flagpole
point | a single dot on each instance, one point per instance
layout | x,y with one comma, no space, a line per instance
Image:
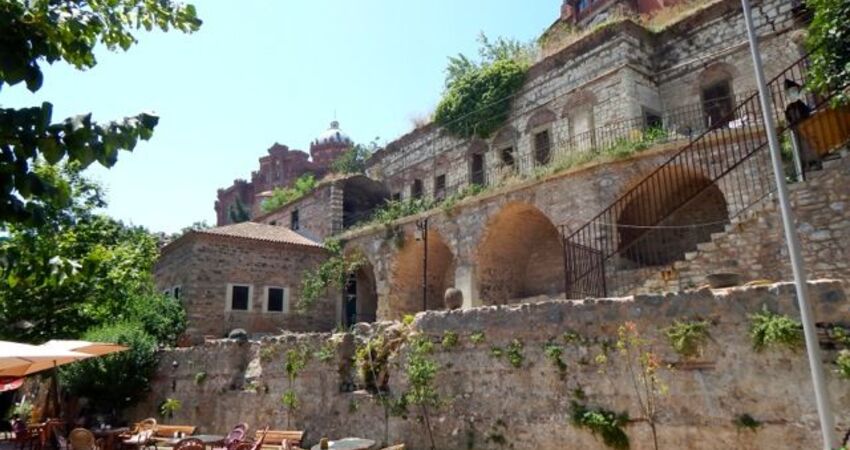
827,423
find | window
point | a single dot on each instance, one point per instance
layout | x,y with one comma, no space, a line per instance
238,297
177,291
507,156
440,186
396,197
717,103
277,299
416,190
542,147
294,221
476,169
652,119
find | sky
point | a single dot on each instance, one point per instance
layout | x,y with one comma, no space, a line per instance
266,71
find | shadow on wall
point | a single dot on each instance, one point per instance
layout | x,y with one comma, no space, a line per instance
405,295
520,256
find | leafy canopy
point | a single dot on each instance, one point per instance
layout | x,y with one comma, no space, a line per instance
354,159
282,196
38,31
828,36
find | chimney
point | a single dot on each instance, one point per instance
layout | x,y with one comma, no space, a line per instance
566,11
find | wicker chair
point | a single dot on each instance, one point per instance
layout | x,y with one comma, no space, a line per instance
244,445
235,437
190,444
81,439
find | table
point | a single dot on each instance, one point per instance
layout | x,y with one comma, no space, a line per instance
208,440
348,444
109,436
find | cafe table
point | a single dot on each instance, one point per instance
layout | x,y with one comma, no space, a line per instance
109,436
348,444
209,440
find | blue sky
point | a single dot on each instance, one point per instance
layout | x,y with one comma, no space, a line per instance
265,71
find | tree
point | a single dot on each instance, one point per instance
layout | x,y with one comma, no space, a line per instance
38,31
354,159
238,212
282,196
502,49
829,34
80,269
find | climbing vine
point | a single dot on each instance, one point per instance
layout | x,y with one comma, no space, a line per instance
768,329
688,337
421,370
333,272
296,360
606,424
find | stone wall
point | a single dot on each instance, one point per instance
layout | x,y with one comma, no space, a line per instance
488,403
203,266
754,245
319,213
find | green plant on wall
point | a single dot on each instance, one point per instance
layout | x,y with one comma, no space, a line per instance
603,423
688,337
768,329
334,271
296,360
553,353
477,337
200,377
746,422
514,353
169,406
843,363
421,370
22,409
450,340
827,40
302,186
327,352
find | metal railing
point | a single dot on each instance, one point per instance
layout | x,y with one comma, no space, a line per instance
696,192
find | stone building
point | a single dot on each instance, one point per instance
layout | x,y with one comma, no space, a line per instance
280,168
677,100
245,276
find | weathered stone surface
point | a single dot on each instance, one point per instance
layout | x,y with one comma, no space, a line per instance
528,406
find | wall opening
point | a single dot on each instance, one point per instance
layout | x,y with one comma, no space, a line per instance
360,297
659,225
405,295
520,256
361,196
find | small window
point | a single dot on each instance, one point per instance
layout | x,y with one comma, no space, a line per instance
294,220
277,300
507,156
239,297
416,189
177,291
718,104
542,147
440,186
476,168
396,197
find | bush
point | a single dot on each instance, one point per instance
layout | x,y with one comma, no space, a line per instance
843,363
161,316
768,329
828,36
115,381
607,424
688,337
282,196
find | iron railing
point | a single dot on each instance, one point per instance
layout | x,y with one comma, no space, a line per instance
716,177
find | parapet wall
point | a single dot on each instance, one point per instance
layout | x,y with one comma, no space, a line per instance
488,403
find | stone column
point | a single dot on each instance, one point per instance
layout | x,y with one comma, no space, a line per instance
465,281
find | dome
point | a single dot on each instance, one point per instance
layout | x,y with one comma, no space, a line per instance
333,135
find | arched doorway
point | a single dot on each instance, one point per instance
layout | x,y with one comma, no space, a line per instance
360,297
409,270
659,225
520,256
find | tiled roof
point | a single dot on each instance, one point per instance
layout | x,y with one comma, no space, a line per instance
261,232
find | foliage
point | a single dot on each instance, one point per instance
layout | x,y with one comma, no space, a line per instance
768,329
496,352
421,370
408,319
289,399
393,210
688,337
326,353
477,337
478,103
50,31
302,186
606,424
553,353
450,340
296,360
643,366
746,422
22,410
115,381
238,212
843,363
470,191
267,353
200,377
828,35
354,159
642,140
170,406
333,271
372,359
489,52
79,270
514,353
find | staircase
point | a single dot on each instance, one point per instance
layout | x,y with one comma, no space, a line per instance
712,184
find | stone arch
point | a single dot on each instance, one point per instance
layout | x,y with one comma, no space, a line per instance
520,256
507,136
405,295
540,118
360,295
685,213
361,195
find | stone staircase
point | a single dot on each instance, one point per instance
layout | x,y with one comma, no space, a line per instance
753,243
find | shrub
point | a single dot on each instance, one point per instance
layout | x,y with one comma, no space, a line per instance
514,352
282,196
843,362
170,406
333,271
115,381
828,35
477,337
606,424
768,329
450,340
688,337
553,353
200,377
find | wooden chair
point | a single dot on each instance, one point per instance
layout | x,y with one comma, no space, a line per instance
244,445
274,438
81,439
165,432
395,447
261,438
190,444
141,440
